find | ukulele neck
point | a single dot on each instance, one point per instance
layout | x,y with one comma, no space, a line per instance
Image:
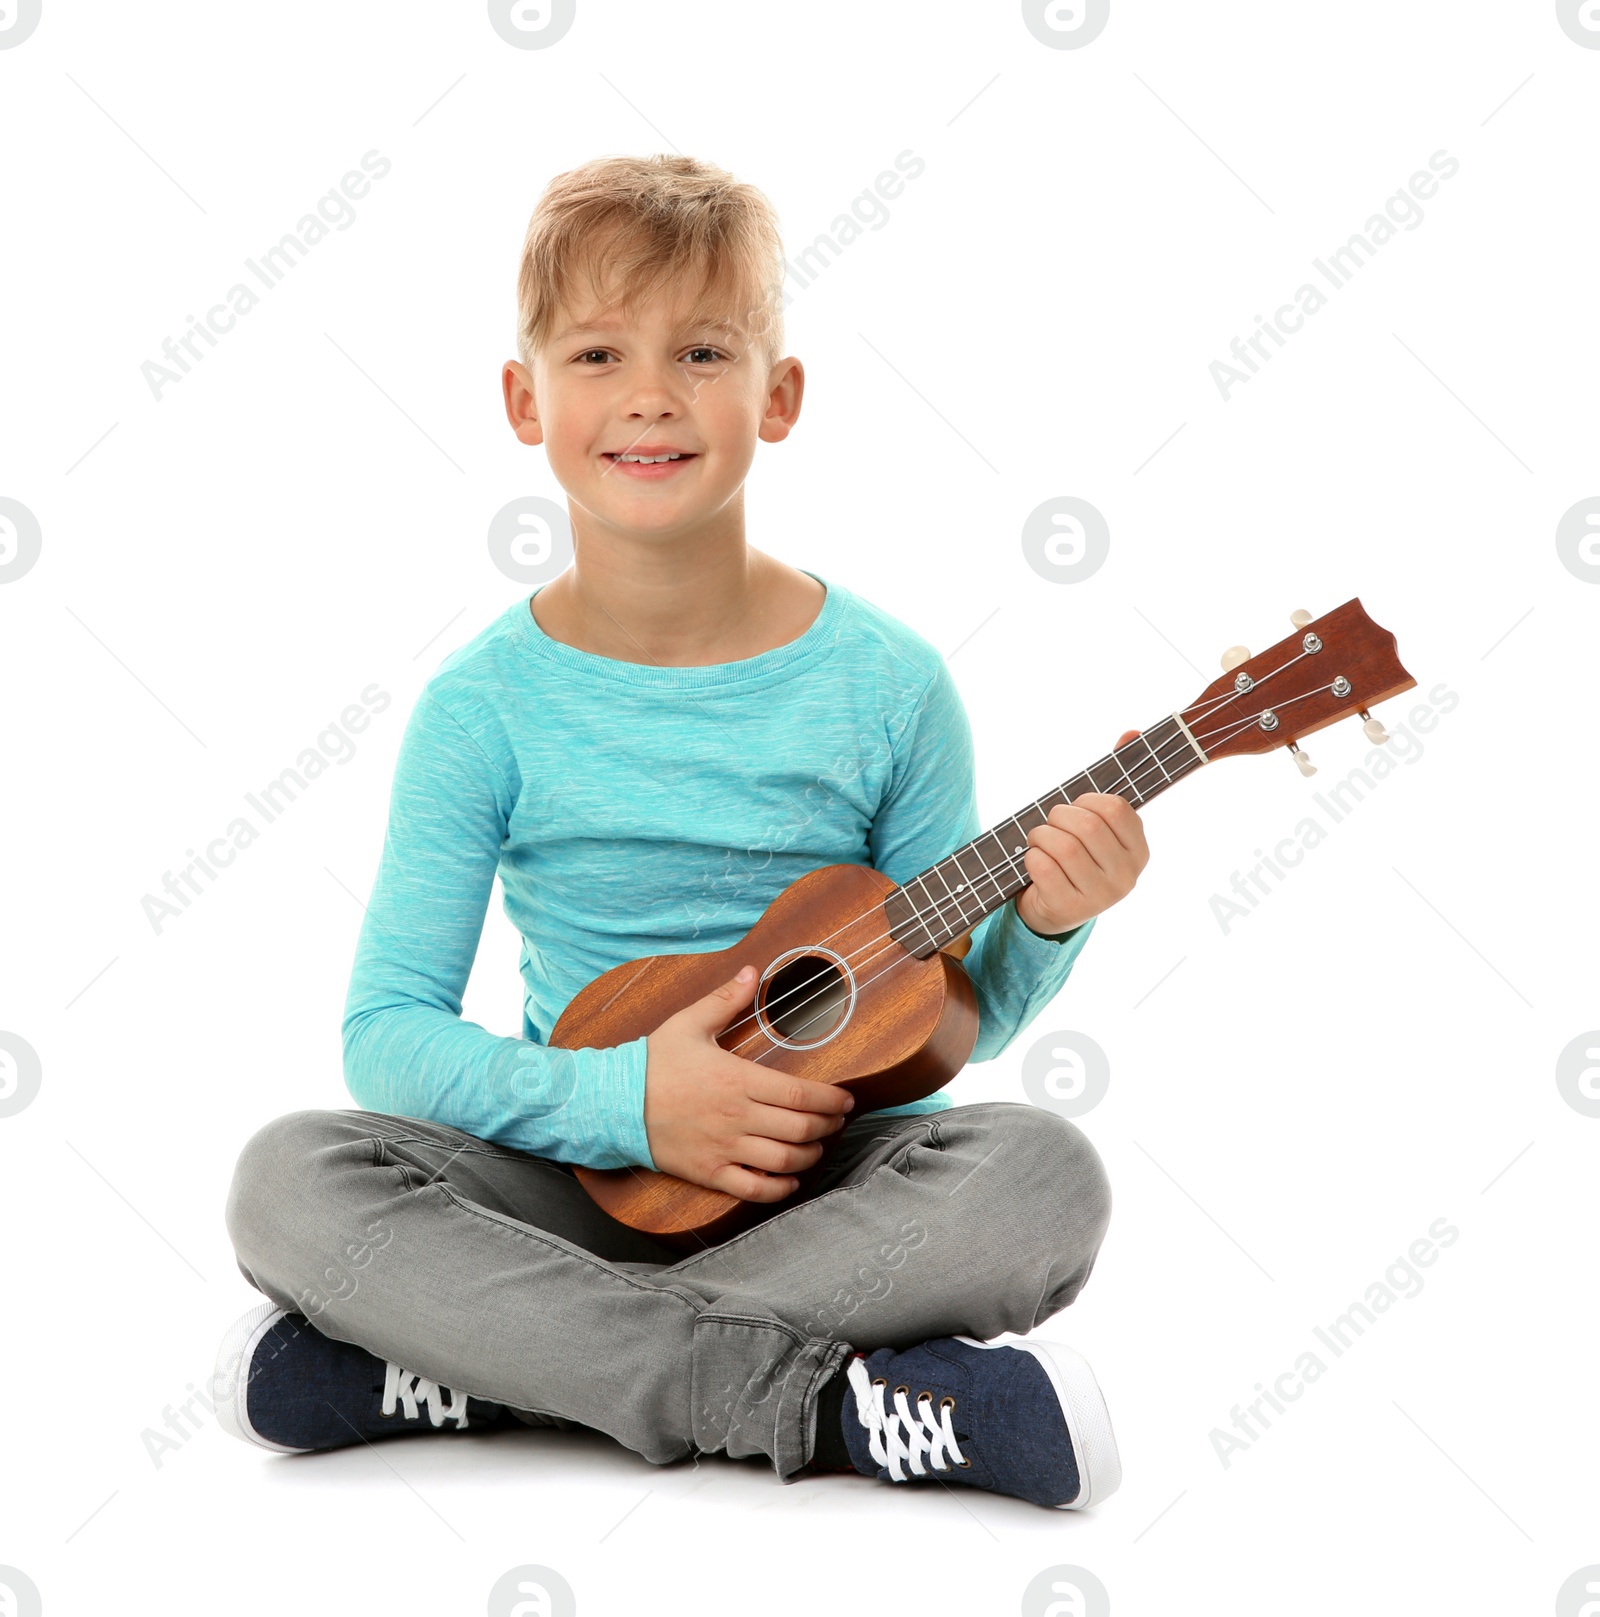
950,898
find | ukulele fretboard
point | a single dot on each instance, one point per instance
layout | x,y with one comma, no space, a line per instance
951,897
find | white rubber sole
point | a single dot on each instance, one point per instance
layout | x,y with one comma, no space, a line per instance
230,1380
1083,1407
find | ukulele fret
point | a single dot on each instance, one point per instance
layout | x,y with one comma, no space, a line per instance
954,895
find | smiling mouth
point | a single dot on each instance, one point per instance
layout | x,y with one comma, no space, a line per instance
632,464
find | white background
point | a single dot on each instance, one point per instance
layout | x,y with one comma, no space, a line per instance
1371,1049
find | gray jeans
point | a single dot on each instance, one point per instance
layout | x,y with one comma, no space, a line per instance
491,1272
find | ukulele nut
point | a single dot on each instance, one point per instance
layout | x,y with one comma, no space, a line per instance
1340,686
1311,643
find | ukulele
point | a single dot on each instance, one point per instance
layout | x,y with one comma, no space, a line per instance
861,984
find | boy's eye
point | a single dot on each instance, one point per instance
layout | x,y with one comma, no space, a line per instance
703,355
590,353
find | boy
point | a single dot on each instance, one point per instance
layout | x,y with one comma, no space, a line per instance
648,750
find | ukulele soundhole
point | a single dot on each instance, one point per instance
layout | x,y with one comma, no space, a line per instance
805,998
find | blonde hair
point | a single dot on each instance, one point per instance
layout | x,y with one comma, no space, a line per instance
648,221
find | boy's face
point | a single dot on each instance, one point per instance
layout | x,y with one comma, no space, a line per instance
609,386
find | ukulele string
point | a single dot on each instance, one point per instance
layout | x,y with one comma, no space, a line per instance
1234,726
1146,772
1218,702
1010,865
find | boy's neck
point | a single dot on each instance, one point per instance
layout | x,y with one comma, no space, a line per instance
683,609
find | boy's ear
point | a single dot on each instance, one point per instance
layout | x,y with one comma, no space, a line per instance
521,405
785,391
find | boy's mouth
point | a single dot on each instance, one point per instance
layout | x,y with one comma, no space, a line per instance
649,461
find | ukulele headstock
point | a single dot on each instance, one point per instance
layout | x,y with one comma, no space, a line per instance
1330,668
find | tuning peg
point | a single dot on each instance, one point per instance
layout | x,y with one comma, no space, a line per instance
1233,656
1374,728
1302,760
1300,617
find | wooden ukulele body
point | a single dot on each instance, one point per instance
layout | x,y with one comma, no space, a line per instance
838,1002
841,1002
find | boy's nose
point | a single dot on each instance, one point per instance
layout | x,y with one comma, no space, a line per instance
652,398
653,390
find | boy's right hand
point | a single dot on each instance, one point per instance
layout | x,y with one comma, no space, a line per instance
712,1117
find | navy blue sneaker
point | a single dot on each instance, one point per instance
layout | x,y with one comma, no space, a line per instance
282,1385
1018,1417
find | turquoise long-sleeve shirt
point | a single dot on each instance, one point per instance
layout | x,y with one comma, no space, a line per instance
632,810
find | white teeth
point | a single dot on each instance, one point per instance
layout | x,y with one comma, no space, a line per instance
648,460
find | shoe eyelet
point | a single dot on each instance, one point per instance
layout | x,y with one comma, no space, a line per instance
947,1402
924,1397
880,1381
966,1465
900,1389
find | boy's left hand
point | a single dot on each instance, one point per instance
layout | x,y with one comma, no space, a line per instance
1084,859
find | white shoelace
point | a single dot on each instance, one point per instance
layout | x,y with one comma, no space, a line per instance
403,1389
897,1436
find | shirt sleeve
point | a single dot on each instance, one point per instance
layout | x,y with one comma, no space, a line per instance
930,810
406,1049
